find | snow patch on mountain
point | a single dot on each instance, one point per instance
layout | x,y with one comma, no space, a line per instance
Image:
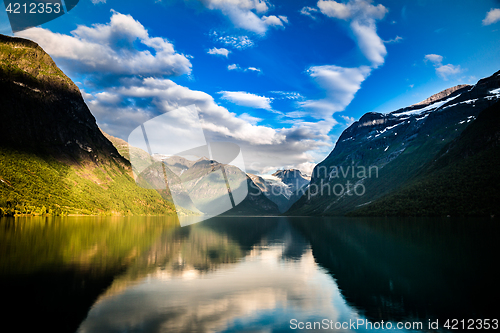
469,119
470,101
430,107
275,182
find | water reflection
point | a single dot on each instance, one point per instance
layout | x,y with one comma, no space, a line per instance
251,277
243,275
52,269
402,269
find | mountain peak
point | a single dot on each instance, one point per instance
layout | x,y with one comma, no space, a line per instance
442,94
291,175
28,65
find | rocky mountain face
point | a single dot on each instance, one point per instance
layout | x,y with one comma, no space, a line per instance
43,110
53,157
283,188
382,153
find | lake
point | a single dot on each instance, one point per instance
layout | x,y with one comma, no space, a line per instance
252,274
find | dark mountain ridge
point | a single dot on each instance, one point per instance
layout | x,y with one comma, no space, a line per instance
462,180
396,146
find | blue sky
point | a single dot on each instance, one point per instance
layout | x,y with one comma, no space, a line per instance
282,79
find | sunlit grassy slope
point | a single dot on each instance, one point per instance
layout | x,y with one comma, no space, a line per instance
33,184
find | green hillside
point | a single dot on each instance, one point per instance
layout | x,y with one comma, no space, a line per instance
33,184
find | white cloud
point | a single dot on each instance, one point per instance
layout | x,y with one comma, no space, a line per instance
349,120
109,48
306,168
163,95
222,51
369,42
362,15
249,119
443,71
287,95
397,39
435,58
355,9
108,98
284,19
97,1
272,20
492,16
302,143
296,114
235,67
446,70
237,42
247,99
244,14
309,11
260,6
334,9
340,85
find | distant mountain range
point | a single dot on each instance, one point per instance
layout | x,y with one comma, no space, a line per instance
197,185
283,188
437,157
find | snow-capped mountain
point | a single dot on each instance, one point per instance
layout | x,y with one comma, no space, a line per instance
381,153
284,187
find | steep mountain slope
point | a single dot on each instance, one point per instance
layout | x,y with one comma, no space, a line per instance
43,110
380,153
53,157
462,180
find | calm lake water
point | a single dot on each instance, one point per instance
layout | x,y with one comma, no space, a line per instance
147,274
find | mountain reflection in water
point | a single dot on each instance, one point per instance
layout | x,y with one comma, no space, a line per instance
256,274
